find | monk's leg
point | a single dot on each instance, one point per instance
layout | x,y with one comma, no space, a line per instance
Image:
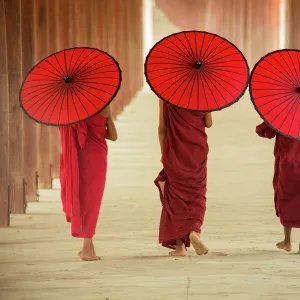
180,249
286,244
88,251
198,245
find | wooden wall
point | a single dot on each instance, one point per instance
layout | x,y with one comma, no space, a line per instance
29,31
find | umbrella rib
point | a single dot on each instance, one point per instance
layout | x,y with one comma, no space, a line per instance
265,82
200,54
193,54
71,59
168,73
57,94
80,66
194,75
74,103
201,75
183,57
220,58
196,44
178,86
278,105
211,92
54,67
287,84
291,73
151,71
49,95
202,58
212,78
80,87
220,73
281,73
294,102
45,90
98,77
90,71
273,95
173,83
60,96
47,70
87,66
225,61
78,90
55,78
71,71
186,88
162,82
65,57
59,65
61,107
74,90
207,58
97,89
115,71
82,81
224,79
226,70
298,64
186,53
266,103
180,58
296,74
161,63
166,58
45,85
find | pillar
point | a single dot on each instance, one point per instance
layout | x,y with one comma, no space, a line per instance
16,161
4,124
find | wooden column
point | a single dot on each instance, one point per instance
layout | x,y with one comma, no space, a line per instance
292,24
4,124
16,161
30,127
52,47
40,50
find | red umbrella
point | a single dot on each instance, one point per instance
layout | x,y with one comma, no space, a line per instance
275,91
197,70
70,86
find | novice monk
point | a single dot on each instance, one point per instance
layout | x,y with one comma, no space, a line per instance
83,175
182,182
286,182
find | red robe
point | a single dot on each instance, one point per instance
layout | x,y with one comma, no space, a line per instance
286,181
83,169
182,182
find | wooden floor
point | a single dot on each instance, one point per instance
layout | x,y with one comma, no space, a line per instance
38,258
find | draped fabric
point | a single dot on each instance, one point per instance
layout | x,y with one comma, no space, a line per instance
286,180
182,182
83,169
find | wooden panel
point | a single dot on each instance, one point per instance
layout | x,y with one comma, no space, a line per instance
4,124
13,37
30,127
40,47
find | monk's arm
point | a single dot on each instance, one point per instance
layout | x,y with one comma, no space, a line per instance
162,126
111,131
208,120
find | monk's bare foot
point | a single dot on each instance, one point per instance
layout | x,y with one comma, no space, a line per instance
199,247
284,246
89,255
181,252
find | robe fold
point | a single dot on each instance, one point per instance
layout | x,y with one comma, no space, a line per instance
182,182
286,180
83,167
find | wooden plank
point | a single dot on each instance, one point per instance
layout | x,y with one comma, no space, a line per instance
30,127
40,51
4,124
16,173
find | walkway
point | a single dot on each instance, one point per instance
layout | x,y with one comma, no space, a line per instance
38,257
